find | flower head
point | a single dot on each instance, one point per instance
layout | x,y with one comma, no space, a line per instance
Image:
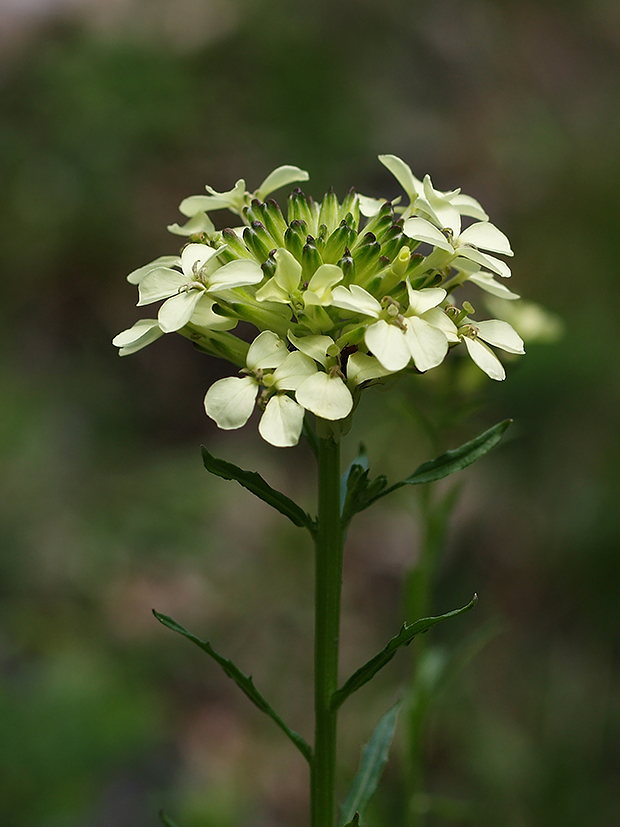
342,294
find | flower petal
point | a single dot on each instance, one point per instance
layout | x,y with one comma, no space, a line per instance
467,205
176,312
325,396
313,346
486,236
237,273
233,200
423,230
288,270
143,332
387,343
422,300
362,368
487,283
282,421
370,206
403,174
266,351
428,345
136,276
486,260
199,223
293,370
437,318
280,177
324,278
195,256
356,299
500,334
484,357
160,284
440,208
230,401
204,316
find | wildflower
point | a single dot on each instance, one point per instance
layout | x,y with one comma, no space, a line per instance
442,229
399,336
271,371
201,280
495,332
196,207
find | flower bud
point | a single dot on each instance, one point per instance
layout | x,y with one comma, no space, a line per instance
340,240
295,237
302,208
272,218
329,212
258,241
310,259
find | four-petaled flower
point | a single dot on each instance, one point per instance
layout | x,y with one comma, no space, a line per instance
271,372
195,289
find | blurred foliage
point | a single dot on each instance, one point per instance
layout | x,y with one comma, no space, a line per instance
105,511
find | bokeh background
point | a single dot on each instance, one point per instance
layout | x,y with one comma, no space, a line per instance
110,114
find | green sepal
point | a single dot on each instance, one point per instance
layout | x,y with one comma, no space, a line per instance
448,463
165,820
356,488
374,758
244,682
403,638
253,482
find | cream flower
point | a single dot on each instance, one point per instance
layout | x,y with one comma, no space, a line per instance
397,337
271,372
442,229
202,278
196,207
495,332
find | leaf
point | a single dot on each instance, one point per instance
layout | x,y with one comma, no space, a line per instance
244,682
374,757
450,462
257,485
403,638
165,820
356,489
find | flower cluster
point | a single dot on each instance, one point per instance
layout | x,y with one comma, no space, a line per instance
342,294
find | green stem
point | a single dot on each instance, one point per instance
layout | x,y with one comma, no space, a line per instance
329,541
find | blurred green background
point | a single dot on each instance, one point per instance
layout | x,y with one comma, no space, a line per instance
110,114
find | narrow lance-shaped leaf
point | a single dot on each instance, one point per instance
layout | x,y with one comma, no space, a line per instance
450,462
403,638
244,682
257,485
165,820
374,758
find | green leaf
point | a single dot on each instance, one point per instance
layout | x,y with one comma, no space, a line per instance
257,485
403,638
165,820
356,489
451,461
374,757
244,682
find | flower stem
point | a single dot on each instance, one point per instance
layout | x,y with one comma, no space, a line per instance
328,581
